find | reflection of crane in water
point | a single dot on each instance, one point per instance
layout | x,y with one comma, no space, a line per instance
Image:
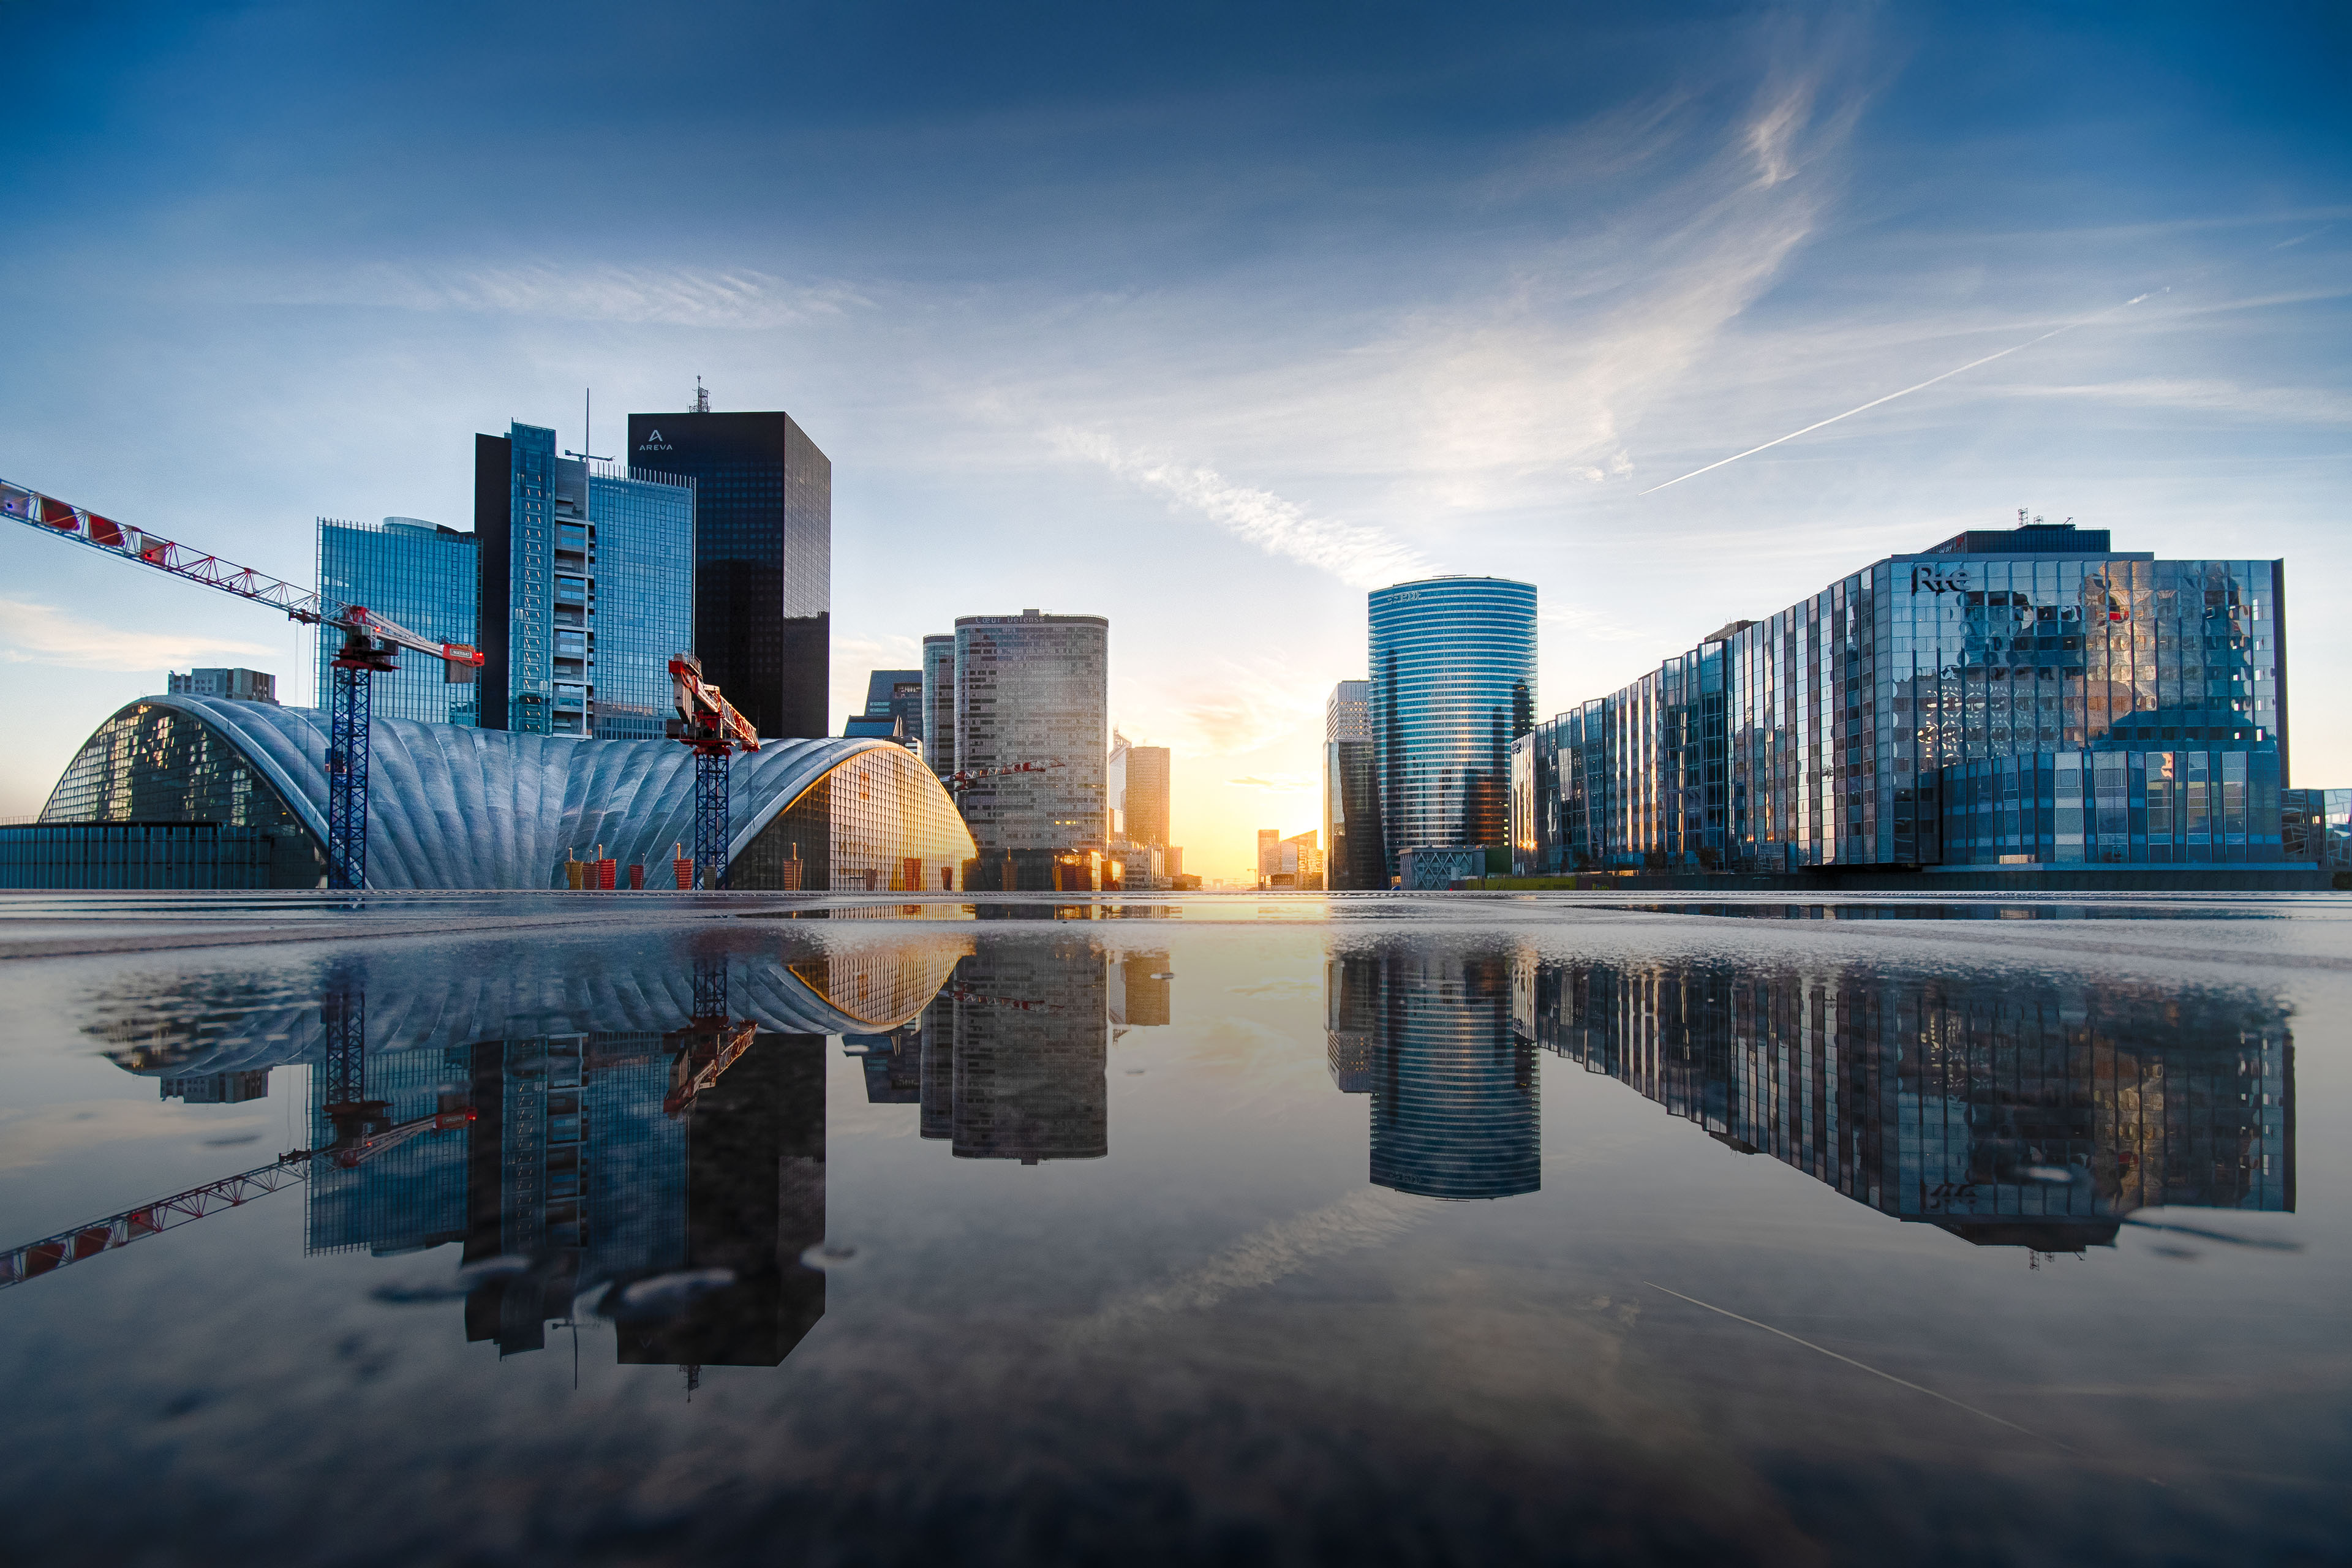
362,1131
711,1043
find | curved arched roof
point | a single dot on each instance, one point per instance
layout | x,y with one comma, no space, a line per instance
451,806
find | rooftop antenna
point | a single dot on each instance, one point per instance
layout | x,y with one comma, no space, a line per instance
702,398
587,428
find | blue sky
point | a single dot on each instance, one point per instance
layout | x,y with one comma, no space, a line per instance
1203,317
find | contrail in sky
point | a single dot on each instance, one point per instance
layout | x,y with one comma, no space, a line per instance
1907,391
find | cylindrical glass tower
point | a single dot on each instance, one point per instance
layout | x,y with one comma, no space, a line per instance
1454,683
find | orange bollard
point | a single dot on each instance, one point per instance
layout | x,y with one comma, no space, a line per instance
684,867
636,878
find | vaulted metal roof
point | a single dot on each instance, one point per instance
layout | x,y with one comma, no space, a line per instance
451,806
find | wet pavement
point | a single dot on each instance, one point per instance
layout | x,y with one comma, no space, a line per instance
1477,1229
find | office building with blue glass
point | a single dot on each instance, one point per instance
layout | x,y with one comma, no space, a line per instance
1453,685
422,576
587,589
2011,697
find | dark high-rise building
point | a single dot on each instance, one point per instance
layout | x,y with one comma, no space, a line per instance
762,556
1351,803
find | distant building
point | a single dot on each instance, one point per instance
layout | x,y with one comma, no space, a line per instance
763,558
1290,863
897,694
1143,867
233,685
1174,860
1352,804
1145,811
1033,689
1454,684
587,573
939,703
1115,785
426,578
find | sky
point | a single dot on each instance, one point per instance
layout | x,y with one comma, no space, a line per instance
1204,317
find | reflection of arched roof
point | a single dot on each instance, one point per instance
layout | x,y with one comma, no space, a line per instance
412,1009
457,808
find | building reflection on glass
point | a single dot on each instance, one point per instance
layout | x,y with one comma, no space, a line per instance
2010,1110
1427,1032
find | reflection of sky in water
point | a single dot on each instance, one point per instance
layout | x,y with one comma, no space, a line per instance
1029,1232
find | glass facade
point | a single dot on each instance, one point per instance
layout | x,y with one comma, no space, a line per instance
1820,736
207,855
1351,806
2113,808
595,573
763,553
939,703
876,822
421,575
162,762
2026,1111
1452,684
639,569
1035,689
2315,825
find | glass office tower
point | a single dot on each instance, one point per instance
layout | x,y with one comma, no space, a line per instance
424,577
1453,681
587,574
1894,718
762,556
939,703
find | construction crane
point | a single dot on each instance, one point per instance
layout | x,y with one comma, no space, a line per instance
370,644
964,778
710,725
362,1131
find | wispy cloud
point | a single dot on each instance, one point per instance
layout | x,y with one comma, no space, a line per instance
2300,404
680,296
1359,556
35,633
1285,783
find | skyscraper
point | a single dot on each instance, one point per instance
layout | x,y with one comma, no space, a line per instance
939,703
762,556
1115,785
1351,804
1453,681
1033,689
1145,811
587,588
424,577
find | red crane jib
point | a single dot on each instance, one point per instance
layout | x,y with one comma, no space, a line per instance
80,524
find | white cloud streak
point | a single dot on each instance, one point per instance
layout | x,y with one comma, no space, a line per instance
35,633
1358,556
739,298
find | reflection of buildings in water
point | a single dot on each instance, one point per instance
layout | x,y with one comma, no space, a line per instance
1427,1033
1139,991
1007,1062
1031,1042
571,1175
2010,1112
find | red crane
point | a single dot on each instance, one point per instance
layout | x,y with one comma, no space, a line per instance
371,643
52,1253
710,725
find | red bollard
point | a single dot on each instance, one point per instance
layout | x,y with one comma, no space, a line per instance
636,878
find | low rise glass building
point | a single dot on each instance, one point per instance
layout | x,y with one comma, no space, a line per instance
457,808
1827,734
